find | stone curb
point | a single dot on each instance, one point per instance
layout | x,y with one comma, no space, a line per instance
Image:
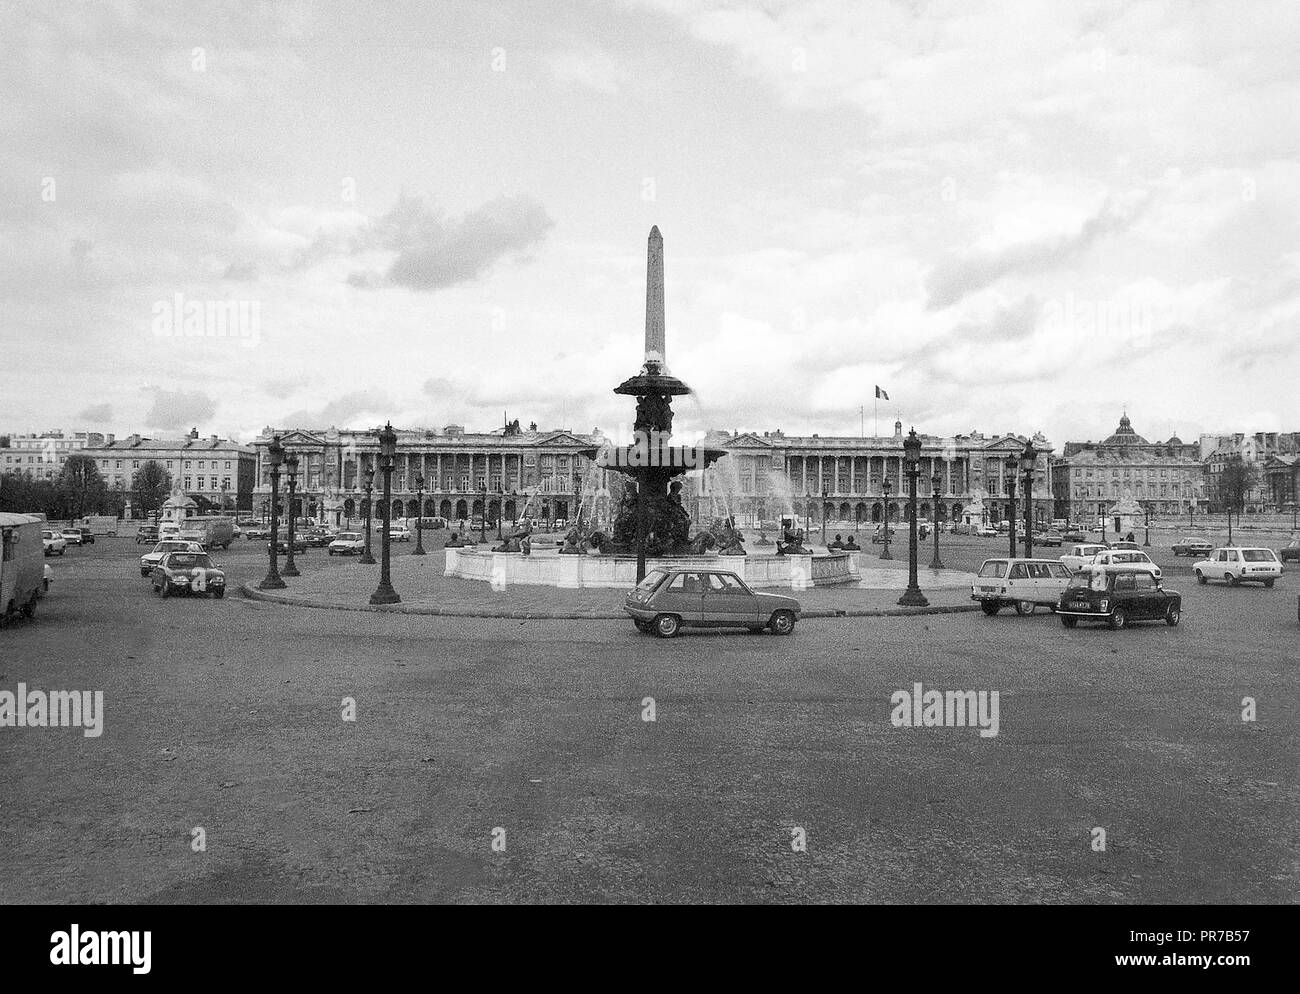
252,593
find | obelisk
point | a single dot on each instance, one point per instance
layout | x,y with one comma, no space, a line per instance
655,349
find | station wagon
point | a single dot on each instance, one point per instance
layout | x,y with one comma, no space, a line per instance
668,600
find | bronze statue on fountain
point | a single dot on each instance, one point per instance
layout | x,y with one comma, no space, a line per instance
518,540
791,542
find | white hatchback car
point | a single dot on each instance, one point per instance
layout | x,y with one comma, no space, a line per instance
1127,557
54,543
348,544
1080,556
1238,564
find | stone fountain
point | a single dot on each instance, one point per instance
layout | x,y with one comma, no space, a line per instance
651,525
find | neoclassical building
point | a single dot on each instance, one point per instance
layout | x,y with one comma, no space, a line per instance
840,478
1163,477
462,472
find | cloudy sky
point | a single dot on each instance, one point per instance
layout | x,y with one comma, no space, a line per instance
1012,216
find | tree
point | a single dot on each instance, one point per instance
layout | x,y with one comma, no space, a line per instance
151,484
1238,478
80,486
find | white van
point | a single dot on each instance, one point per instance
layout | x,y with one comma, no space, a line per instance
1024,583
22,562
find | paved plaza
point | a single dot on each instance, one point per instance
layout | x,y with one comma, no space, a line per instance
227,716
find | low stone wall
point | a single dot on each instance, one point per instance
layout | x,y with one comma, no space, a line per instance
549,568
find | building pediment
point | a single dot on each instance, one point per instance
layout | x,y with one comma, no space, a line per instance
747,440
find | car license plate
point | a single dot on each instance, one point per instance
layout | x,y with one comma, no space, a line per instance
1080,605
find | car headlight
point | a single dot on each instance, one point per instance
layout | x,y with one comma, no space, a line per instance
1105,605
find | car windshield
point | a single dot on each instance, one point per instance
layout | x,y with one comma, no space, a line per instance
995,567
348,537
652,580
1259,556
188,560
1088,580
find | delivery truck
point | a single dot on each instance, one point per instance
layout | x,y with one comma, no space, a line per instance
22,565
211,533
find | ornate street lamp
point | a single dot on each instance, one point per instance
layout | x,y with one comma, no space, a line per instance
366,558
482,518
885,487
419,518
274,454
912,596
807,512
1146,521
935,482
291,470
823,514
1101,512
1028,459
1013,467
384,593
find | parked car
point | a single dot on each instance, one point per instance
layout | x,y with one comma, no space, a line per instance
669,599
1022,583
1237,565
987,531
1118,595
399,533
317,538
1125,544
282,545
1080,556
188,573
1074,533
1127,557
54,543
1191,545
257,532
146,534
152,558
1051,538
348,544
71,535
1290,551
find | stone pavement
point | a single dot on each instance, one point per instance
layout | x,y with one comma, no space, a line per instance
347,585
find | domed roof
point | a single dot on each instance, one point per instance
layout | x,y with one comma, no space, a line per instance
1125,435
1174,440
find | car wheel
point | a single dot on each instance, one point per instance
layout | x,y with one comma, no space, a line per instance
1118,618
667,625
1172,616
1232,579
990,607
1025,607
782,623
1268,584
1068,621
1200,577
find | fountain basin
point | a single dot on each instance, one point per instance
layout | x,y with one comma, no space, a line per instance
505,568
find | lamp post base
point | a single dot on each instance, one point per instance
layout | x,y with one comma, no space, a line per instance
936,562
290,569
366,559
272,581
884,552
912,597
385,594
418,550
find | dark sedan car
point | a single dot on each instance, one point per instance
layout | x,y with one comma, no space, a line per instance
1118,595
1193,546
282,545
188,573
669,599
1290,551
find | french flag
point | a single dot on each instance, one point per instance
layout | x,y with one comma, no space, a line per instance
881,395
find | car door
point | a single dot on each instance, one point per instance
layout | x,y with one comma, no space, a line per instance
1146,600
682,595
725,601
